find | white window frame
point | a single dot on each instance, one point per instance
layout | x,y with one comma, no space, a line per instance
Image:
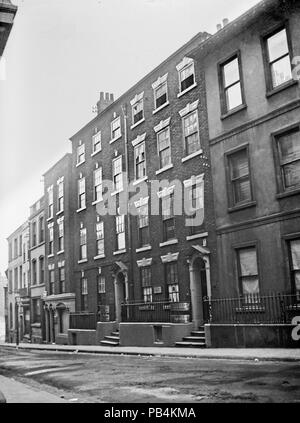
80,154
159,83
120,234
80,206
82,236
114,138
183,65
100,184
97,137
100,237
116,189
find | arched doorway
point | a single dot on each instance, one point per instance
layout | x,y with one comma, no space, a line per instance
200,289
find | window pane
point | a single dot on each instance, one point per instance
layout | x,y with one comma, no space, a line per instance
239,164
234,96
277,45
242,191
289,147
248,262
295,252
250,286
292,174
231,72
281,71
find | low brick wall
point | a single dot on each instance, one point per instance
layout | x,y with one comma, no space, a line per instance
250,336
152,334
81,337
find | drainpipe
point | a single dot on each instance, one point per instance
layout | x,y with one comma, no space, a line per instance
130,270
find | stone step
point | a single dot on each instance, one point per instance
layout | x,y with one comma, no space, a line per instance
109,343
194,338
198,333
187,344
112,338
116,333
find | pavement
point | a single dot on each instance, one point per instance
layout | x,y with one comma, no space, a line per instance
261,354
17,392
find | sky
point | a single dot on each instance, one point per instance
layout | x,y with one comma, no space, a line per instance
59,56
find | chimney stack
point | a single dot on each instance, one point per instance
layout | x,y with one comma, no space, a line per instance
104,101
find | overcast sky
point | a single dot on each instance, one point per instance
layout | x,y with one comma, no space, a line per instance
60,55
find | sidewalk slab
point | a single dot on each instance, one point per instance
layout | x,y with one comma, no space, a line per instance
17,392
262,354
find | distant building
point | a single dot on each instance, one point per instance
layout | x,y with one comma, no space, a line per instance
7,15
18,280
37,272
59,299
3,307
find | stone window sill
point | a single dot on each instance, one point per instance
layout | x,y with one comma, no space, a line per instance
233,111
137,123
187,90
191,156
80,163
139,181
288,193
116,253
142,249
80,210
242,207
282,87
101,256
95,152
171,242
161,107
164,169
82,261
197,236
115,139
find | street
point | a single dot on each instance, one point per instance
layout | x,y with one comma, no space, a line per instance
84,378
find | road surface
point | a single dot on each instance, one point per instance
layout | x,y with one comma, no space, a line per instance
101,378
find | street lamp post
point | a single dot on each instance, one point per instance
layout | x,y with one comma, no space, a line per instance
17,320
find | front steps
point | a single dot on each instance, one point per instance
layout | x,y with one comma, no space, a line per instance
195,340
112,340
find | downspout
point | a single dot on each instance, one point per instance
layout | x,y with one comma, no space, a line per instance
130,270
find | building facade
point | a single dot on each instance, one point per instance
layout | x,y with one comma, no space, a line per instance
37,270
153,139
254,134
18,291
59,298
3,307
178,208
7,16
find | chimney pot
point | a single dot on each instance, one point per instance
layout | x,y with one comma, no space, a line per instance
225,22
219,27
105,100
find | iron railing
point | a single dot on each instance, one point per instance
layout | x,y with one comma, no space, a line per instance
83,320
273,308
160,311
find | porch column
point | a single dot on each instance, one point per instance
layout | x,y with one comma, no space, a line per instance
117,300
207,269
194,298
